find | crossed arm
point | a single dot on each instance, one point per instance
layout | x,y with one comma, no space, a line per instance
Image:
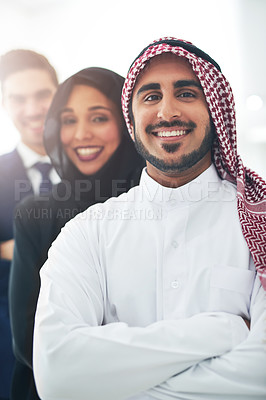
237,374
73,350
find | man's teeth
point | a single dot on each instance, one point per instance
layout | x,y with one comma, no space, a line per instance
86,151
171,133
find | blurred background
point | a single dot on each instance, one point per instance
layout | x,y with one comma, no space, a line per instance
74,34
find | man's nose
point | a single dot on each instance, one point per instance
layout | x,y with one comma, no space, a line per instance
33,108
168,109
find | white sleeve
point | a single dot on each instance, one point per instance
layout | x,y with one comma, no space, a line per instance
76,357
238,374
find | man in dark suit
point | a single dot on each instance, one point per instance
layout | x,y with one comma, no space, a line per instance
28,85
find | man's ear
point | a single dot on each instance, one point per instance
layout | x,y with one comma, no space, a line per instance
132,134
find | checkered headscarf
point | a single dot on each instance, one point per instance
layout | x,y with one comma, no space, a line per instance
251,189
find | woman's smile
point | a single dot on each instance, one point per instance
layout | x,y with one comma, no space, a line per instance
88,153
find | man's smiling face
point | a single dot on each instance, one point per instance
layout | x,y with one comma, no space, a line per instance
27,95
171,122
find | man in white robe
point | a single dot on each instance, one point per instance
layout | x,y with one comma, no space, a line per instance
151,295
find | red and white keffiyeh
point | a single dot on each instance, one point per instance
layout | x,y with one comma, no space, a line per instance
251,189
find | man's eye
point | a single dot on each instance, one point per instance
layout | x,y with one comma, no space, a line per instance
18,100
186,94
152,97
43,95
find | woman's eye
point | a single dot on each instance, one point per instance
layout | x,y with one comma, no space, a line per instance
68,121
100,118
152,97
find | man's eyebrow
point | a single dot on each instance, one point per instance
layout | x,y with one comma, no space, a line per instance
177,84
184,83
24,96
15,96
149,86
46,90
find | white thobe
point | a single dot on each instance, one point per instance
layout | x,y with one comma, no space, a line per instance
143,296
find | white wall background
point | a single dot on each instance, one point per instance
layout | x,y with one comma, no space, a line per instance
74,34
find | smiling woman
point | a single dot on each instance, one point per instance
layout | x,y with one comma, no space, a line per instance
89,146
85,134
90,128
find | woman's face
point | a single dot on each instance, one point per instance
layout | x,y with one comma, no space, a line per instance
90,128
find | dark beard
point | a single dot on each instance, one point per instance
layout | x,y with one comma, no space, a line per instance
171,147
187,160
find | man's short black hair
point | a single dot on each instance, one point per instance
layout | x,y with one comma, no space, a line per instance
21,59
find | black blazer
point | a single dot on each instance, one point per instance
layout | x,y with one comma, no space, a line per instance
14,185
37,224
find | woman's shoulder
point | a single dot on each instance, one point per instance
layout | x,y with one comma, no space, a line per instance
49,212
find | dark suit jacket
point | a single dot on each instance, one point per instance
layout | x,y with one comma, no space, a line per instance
14,185
37,224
